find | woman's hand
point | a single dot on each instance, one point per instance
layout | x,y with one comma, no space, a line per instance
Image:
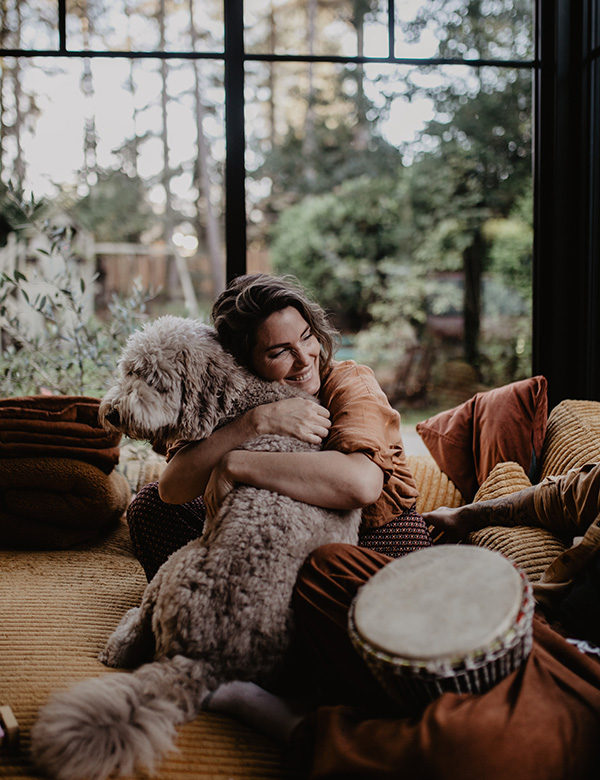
220,484
299,417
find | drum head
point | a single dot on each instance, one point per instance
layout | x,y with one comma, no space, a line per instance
441,602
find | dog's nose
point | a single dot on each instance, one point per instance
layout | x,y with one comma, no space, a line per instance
113,417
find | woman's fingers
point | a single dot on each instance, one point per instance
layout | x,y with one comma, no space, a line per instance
300,417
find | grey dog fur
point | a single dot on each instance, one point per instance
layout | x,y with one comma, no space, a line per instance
219,608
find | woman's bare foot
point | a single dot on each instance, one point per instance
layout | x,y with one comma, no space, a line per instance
273,715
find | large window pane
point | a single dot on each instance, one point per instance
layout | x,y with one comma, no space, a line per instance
31,25
145,25
132,152
317,27
402,198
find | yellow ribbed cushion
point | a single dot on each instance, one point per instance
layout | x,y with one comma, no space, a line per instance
532,549
572,437
435,488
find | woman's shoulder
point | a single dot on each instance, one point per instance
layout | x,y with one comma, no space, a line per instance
351,382
344,372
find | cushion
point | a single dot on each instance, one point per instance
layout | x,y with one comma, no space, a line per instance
435,489
572,438
55,503
531,549
504,424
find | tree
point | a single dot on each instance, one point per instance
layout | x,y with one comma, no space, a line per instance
338,243
322,127
115,208
481,136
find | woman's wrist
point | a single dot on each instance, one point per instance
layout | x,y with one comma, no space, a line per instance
254,422
233,466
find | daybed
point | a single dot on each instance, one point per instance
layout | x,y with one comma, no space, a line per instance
59,606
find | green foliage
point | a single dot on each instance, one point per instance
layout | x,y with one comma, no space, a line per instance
507,357
511,246
70,354
484,29
50,341
338,243
332,160
12,207
115,209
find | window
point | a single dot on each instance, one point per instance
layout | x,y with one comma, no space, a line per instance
234,117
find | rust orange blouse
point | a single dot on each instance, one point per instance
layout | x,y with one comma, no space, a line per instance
363,421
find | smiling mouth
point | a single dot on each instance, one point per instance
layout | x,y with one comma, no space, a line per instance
300,377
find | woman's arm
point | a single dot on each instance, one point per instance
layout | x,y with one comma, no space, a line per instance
187,473
331,479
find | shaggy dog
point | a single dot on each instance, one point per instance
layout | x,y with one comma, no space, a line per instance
219,608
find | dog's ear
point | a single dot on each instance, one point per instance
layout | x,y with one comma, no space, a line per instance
213,381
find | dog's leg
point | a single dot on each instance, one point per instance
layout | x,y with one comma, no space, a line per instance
131,643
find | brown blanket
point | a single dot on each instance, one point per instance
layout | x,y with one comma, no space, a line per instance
57,427
53,503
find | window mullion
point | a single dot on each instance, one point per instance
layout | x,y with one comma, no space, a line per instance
235,195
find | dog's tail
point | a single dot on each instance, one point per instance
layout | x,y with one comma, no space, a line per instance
113,724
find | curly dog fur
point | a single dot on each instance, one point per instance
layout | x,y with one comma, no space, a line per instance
219,608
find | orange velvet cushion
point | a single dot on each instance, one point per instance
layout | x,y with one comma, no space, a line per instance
504,424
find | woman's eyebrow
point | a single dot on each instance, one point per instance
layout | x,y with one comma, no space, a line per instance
286,343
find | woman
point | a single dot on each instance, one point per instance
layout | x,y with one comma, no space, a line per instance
271,327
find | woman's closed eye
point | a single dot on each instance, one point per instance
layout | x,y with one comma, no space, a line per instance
307,336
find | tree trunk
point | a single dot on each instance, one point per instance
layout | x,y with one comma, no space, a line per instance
473,258
361,133
19,165
309,145
203,183
90,159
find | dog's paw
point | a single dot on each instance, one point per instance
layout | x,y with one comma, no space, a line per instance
128,646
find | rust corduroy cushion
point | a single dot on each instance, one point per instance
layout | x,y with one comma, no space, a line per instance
504,424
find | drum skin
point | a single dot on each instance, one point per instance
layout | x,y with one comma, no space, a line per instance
446,618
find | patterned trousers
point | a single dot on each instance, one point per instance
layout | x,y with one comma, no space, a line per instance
158,529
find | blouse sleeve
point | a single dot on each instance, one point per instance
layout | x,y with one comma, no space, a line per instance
362,420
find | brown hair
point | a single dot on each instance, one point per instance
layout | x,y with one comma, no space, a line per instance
250,299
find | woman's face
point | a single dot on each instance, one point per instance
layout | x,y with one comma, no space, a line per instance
286,351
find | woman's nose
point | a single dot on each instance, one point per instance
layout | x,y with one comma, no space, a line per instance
302,356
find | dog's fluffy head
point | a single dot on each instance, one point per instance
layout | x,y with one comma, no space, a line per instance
174,381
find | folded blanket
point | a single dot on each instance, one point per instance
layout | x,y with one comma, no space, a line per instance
57,427
53,503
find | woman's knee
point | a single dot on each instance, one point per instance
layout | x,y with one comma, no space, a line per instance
143,506
325,561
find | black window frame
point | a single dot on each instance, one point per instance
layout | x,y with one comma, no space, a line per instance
566,171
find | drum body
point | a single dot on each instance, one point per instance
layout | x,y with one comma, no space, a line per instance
446,618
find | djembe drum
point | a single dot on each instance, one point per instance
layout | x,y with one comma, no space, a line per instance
446,618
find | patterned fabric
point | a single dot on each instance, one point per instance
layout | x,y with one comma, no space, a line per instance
404,534
158,529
